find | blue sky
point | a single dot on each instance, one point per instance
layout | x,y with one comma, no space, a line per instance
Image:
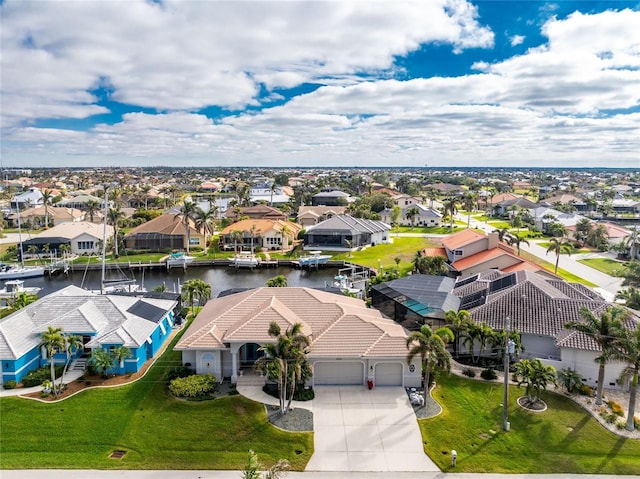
320,83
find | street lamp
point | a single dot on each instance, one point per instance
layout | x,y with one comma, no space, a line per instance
509,349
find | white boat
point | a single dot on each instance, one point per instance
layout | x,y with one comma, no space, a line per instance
313,259
15,271
179,260
10,271
244,260
14,287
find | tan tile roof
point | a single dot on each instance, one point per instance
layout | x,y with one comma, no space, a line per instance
337,325
462,238
168,224
261,226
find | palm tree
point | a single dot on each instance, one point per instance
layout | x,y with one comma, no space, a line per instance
187,212
469,202
120,353
114,216
92,206
535,376
72,343
284,233
411,215
205,221
432,348
631,274
458,322
22,300
603,331
516,239
252,468
583,229
47,199
599,237
627,349
52,341
630,296
559,246
471,333
284,360
484,336
503,234
101,361
279,281
451,208
196,289
161,288
396,213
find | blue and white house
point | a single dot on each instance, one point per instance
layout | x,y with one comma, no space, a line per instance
102,321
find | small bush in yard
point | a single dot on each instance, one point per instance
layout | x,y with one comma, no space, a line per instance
616,408
469,372
193,386
10,384
488,374
586,390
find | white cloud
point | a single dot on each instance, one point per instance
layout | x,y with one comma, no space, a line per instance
516,40
549,106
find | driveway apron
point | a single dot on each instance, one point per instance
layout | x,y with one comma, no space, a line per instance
356,429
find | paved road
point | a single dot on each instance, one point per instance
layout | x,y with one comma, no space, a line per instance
93,474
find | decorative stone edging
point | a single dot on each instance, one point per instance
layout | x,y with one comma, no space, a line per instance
519,400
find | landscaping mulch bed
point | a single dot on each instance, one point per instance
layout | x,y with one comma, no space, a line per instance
537,406
431,407
296,420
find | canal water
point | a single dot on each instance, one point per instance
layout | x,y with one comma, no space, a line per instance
219,277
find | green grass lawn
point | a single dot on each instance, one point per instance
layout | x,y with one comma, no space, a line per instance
157,430
606,265
572,278
403,247
439,230
563,439
546,244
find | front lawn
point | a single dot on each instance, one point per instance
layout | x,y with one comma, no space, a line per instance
403,247
563,439
157,430
605,265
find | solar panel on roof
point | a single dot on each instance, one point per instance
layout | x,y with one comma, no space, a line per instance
147,311
473,300
502,283
468,280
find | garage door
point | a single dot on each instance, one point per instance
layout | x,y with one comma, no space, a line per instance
338,373
388,374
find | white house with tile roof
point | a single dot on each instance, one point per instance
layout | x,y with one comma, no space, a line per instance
349,345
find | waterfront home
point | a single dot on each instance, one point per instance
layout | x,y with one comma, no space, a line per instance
166,232
83,238
344,232
312,215
349,342
102,321
254,235
414,214
39,215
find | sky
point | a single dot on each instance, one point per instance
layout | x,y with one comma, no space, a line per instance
349,83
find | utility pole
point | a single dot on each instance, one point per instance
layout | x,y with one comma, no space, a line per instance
506,426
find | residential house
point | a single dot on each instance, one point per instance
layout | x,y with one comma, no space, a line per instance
544,216
539,307
255,235
349,342
36,217
470,252
266,194
83,238
166,232
80,202
503,207
415,300
331,198
27,199
102,321
312,215
256,212
344,232
424,217
566,199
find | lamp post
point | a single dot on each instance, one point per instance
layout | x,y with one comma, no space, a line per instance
509,348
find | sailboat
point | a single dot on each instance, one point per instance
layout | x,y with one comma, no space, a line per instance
13,271
121,284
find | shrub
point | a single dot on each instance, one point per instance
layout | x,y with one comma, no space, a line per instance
488,374
616,408
621,423
197,385
10,384
586,390
179,372
469,372
37,376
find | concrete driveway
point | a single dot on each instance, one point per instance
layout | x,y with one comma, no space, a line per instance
360,430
